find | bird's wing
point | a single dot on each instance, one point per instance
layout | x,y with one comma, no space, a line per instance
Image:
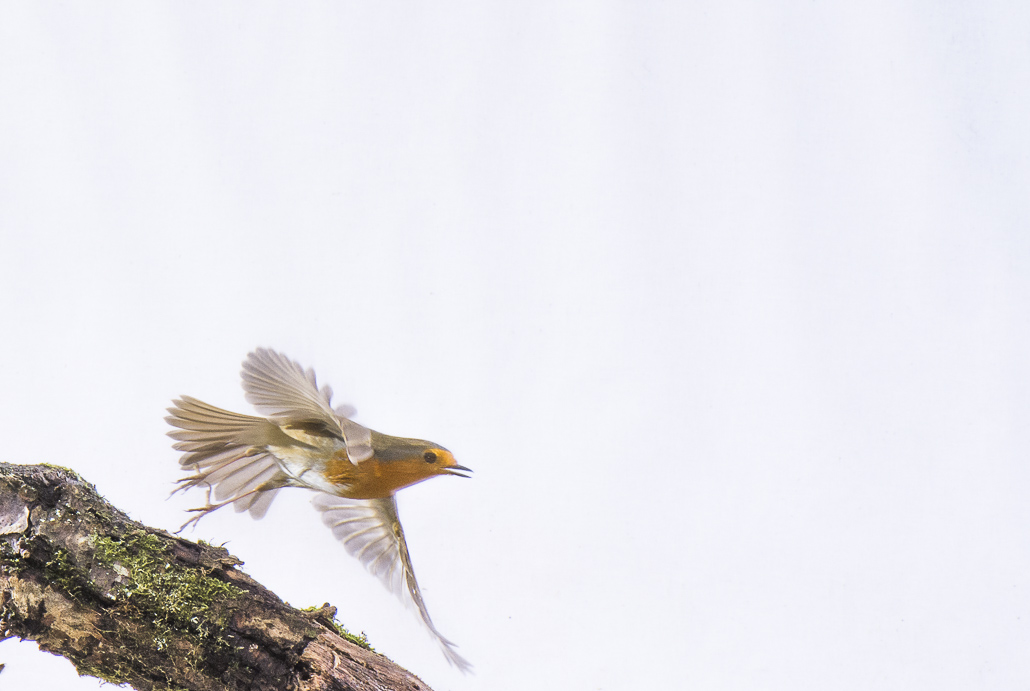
371,531
286,392
281,389
345,410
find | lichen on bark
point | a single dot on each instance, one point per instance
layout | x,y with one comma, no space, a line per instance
131,604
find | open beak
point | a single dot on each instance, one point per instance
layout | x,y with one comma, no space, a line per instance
457,470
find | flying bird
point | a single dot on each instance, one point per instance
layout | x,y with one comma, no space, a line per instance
304,442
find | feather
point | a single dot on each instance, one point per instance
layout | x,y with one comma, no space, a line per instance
282,389
225,452
370,530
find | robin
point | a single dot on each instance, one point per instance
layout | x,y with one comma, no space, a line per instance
304,442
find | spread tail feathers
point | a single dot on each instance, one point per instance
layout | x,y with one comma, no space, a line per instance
226,452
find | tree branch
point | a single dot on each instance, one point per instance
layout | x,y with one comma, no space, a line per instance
131,604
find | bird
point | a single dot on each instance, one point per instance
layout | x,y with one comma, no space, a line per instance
303,441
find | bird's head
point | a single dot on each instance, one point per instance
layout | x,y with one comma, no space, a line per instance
414,459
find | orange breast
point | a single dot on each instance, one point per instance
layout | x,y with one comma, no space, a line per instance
372,479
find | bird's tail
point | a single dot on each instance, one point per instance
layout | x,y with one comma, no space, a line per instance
227,454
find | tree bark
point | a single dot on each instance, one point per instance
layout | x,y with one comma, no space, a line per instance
135,605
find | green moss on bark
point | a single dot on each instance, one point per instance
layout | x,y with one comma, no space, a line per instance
358,640
173,598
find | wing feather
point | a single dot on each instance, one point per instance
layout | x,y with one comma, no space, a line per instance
371,531
281,389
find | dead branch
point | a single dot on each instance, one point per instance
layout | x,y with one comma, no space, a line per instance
134,605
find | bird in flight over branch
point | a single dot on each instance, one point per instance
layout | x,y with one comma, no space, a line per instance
304,442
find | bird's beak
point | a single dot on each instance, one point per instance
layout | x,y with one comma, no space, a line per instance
457,470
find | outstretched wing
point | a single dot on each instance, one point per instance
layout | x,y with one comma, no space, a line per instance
371,531
283,390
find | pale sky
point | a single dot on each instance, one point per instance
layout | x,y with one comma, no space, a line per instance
725,303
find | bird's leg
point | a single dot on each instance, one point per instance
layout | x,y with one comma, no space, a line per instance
209,507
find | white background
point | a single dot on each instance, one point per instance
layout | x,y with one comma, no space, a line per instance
724,302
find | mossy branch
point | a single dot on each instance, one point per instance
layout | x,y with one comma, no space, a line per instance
134,605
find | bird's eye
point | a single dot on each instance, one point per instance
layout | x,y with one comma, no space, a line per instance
429,456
